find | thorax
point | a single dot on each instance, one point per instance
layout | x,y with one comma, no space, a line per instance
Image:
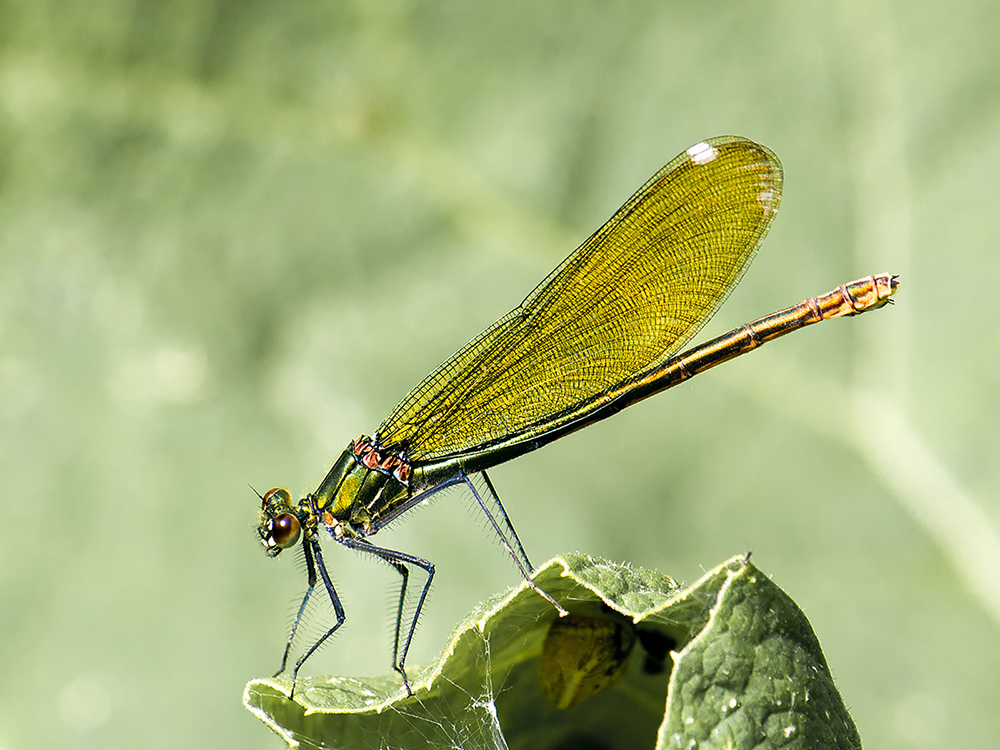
364,487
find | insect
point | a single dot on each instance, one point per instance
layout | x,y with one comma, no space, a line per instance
600,333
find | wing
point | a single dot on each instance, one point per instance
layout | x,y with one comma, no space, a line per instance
620,305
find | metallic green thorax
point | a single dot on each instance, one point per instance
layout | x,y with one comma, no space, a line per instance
356,494
368,486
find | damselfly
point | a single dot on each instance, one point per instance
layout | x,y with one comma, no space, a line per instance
601,332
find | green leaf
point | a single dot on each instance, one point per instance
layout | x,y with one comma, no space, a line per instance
745,671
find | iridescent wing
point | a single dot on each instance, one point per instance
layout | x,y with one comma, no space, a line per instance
620,305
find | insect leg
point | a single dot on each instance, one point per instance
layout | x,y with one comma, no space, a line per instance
338,608
491,494
399,561
404,573
521,560
311,577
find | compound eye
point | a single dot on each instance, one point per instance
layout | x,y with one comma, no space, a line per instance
285,530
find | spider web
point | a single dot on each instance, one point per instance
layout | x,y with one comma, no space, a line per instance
457,716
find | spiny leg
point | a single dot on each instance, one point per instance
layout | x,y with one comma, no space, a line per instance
521,561
338,610
399,561
492,492
404,573
311,577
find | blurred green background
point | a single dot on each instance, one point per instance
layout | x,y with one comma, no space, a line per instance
233,234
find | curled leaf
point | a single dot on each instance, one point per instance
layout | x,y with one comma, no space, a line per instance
745,671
